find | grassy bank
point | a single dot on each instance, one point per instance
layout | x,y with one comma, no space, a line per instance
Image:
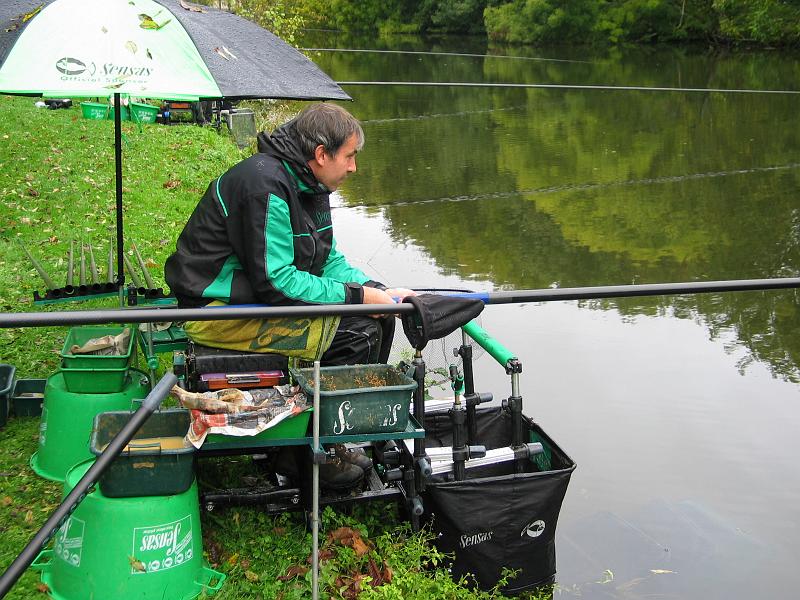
57,183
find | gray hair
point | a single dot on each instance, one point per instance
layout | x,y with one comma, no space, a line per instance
326,124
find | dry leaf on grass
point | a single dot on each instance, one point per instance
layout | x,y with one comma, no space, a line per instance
292,572
347,536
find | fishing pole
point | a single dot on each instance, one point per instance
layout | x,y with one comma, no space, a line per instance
222,313
431,53
563,86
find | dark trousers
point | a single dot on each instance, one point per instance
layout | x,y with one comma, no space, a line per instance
361,340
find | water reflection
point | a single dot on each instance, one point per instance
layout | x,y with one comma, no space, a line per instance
532,188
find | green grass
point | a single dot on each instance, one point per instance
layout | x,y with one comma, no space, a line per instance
57,185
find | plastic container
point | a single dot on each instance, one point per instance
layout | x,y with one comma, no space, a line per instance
358,399
143,113
28,397
67,420
90,373
7,373
148,548
289,429
80,335
94,110
96,380
151,465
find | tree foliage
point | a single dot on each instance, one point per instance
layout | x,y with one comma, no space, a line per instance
562,21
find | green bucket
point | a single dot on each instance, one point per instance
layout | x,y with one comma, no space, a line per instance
94,110
143,113
149,548
67,419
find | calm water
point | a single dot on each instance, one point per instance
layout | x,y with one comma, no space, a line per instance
681,412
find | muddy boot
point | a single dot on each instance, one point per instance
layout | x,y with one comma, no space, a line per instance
354,456
337,474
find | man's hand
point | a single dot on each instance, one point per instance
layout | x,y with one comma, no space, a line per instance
376,296
400,293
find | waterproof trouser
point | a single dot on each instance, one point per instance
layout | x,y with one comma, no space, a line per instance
360,340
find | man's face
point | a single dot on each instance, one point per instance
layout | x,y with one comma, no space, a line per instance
333,170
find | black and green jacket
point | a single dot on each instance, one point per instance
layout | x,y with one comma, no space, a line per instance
262,233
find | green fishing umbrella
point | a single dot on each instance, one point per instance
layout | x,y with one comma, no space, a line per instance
165,49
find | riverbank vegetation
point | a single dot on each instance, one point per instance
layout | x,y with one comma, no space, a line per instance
752,22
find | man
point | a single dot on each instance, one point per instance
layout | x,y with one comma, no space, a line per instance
262,233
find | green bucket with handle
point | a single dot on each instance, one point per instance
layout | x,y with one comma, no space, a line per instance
145,547
67,418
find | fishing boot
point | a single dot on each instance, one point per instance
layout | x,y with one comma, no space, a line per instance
339,475
353,456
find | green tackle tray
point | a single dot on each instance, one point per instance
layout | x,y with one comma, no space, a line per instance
28,397
146,470
358,399
96,380
284,433
80,335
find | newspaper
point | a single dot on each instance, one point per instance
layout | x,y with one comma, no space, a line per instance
238,412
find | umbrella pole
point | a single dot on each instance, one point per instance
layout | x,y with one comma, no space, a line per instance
118,165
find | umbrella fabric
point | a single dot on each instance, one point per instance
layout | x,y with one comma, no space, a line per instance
151,49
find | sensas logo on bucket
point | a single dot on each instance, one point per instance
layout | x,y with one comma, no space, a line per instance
160,547
69,541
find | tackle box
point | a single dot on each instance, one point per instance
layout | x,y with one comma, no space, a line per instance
28,397
356,399
156,462
7,373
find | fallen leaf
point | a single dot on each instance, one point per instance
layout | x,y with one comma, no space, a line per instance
292,572
136,564
251,577
6,501
172,184
233,558
188,6
150,263
29,517
147,22
53,239
43,587
347,536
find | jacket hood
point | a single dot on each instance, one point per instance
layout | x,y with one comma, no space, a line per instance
282,144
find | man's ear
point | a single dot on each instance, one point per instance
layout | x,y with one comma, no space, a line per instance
319,154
